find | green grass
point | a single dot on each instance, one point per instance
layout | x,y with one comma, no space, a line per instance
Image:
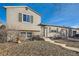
34,48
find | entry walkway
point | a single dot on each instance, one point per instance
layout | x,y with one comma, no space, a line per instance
62,45
73,39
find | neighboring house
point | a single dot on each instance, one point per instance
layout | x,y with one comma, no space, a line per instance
23,19
74,31
51,30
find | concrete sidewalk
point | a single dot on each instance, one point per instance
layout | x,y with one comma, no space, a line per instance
73,39
62,45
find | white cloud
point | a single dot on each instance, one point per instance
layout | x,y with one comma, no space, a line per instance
75,26
51,20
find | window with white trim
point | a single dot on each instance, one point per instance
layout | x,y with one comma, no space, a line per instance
25,18
29,34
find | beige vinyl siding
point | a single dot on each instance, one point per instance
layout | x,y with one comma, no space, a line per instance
13,23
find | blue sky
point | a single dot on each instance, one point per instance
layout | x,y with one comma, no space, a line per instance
51,13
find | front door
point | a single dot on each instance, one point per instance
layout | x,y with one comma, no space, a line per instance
45,31
74,33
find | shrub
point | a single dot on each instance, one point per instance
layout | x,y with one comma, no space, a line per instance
3,36
37,38
56,37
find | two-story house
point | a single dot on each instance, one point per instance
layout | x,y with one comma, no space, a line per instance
24,20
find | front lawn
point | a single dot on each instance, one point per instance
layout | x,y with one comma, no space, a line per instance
68,42
34,48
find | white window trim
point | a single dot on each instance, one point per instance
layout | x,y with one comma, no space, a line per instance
22,19
26,21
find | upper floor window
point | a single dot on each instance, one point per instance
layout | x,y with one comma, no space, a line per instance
25,18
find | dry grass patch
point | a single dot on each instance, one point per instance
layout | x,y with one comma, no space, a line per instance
68,43
34,48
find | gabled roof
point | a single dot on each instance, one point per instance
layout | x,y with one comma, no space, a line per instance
25,7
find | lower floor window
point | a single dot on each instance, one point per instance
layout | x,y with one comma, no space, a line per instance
53,31
26,34
23,34
29,34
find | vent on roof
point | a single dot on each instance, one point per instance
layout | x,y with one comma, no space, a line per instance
26,8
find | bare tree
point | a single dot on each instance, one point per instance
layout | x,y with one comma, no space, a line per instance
3,33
